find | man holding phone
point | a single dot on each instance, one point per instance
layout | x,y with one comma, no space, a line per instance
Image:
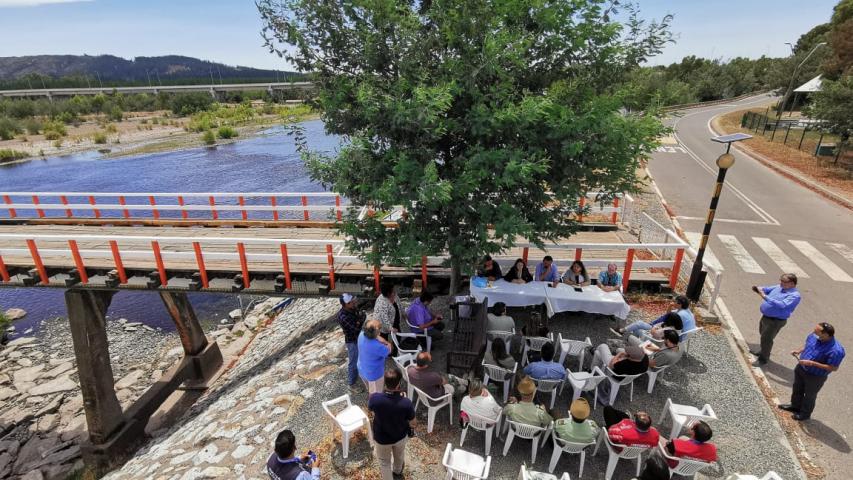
283,465
779,302
821,355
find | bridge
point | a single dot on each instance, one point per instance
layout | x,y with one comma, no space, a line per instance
213,89
95,244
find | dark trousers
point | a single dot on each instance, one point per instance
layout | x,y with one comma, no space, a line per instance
804,393
613,416
768,328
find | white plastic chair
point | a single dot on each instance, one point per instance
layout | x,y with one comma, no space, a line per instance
534,344
500,375
634,452
686,336
522,430
525,474
350,419
483,424
585,382
548,386
493,334
465,465
685,415
771,475
686,467
434,405
615,384
561,446
402,362
397,338
573,348
653,376
425,334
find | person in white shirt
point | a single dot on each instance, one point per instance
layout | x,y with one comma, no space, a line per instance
576,275
479,401
387,310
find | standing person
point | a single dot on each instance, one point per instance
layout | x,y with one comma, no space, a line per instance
351,319
820,355
778,305
576,275
610,280
283,465
372,351
387,310
518,273
547,271
489,269
392,412
421,317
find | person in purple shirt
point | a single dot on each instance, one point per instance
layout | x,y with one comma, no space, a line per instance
821,355
422,318
778,305
547,271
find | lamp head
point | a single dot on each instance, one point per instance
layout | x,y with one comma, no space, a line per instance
725,160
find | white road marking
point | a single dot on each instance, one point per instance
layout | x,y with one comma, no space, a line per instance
724,220
777,255
842,250
834,271
741,256
693,239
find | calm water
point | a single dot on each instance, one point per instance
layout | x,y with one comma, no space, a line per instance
268,163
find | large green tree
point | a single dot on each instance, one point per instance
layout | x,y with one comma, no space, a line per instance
485,119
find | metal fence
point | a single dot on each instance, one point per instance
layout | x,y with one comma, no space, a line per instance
807,135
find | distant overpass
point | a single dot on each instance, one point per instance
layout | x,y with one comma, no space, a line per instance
212,89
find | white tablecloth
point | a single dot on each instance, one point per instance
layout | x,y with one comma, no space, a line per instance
592,300
563,298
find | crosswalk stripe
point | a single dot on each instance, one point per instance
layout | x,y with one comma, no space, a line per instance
693,238
777,255
834,271
842,250
741,256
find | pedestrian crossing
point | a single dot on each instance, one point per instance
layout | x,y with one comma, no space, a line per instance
747,252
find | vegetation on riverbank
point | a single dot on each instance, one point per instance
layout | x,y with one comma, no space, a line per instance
8,155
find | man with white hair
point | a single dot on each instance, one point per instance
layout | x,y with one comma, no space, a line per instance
610,280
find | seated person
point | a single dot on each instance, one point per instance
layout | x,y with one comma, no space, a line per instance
623,430
499,355
479,401
518,273
421,317
630,361
655,468
547,271
283,465
686,321
696,447
546,368
576,275
579,428
667,355
432,383
668,321
499,321
489,269
524,410
610,280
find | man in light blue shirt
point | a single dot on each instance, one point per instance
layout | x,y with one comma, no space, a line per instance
547,368
547,271
610,280
778,305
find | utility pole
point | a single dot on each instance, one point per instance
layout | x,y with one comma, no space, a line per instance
149,77
158,77
220,74
99,79
791,83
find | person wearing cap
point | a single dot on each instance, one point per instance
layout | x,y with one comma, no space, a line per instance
579,428
479,401
821,355
524,410
489,269
372,352
546,368
624,430
351,319
696,447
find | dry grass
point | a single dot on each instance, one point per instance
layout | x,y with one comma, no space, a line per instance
836,178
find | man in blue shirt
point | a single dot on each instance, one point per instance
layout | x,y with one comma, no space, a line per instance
547,271
547,368
392,413
778,305
282,465
820,355
610,280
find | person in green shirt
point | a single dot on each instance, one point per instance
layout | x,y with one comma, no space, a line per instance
579,428
525,411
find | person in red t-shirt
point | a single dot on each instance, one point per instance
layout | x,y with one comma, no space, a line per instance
623,430
696,447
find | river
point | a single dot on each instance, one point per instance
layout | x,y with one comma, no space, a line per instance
265,163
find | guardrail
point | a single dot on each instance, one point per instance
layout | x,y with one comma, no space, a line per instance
684,106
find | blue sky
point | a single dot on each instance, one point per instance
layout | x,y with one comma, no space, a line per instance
228,31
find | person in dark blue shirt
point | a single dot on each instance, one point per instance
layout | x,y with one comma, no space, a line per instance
392,412
779,302
821,355
282,465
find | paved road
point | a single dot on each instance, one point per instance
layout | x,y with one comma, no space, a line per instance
767,224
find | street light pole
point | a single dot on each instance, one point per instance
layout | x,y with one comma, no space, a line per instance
724,162
791,83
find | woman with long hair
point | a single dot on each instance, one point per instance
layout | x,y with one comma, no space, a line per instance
576,275
518,273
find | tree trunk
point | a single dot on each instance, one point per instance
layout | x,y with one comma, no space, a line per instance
455,275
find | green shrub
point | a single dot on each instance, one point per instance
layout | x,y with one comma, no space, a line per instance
100,138
5,156
116,114
189,103
226,132
33,126
54,130
66,117
57,143
8,128
111,128
208,138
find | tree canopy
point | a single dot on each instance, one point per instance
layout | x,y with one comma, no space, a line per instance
486,120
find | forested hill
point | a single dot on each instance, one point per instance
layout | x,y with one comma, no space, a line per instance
60,69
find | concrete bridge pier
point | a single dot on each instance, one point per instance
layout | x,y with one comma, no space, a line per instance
115,434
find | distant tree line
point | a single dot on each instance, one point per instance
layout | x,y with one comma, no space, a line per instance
37,81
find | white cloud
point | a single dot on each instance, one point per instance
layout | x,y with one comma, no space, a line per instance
35,3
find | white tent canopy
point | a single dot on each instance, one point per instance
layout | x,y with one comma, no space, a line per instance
812,85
